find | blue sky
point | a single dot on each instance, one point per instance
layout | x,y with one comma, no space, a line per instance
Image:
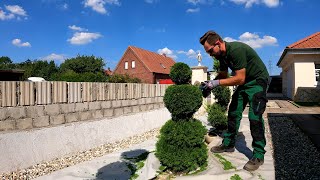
61,29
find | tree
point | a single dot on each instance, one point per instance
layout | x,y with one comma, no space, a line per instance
6,63
38,68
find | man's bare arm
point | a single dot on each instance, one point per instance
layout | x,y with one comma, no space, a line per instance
238,79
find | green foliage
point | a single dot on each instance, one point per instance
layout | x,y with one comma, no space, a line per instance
181,145
180,73
38,68
182,101
71,76
217,117
216,65
6,63
119,78
222,95
82,64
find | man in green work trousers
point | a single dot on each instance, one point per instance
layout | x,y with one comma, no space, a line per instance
252,77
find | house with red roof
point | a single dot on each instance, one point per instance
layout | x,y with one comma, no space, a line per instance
150,67
300,63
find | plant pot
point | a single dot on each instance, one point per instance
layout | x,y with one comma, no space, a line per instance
209,138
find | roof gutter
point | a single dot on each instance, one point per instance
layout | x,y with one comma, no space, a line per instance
298,51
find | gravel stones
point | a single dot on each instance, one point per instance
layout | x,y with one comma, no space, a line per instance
295,156
60,163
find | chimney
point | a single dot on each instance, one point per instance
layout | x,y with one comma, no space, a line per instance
164,54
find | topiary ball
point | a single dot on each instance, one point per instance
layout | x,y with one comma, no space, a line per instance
180,73
182,101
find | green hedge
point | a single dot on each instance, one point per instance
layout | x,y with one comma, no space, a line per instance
217,117
222,95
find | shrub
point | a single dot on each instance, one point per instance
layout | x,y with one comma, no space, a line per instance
181,145
182,101
180,73
120,78
217,117
222,94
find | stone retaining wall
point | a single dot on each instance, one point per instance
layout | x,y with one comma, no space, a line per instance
40,116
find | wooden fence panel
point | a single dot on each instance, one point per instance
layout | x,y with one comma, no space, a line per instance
8,93
157,90
59,91
111,91
130,89
121,90
87,88
43,93
101,89
74,92
26,93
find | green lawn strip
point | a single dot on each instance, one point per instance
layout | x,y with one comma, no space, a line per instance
227,165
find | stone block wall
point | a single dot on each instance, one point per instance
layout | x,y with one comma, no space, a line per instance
40,116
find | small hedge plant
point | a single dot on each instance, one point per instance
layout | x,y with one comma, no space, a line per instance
181,145
217,117
222,95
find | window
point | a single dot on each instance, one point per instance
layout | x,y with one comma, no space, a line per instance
126,65
317,73
133,64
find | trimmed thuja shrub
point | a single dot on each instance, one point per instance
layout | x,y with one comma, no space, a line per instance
181,145
222,94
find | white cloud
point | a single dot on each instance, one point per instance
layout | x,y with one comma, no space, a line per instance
15,9
12,11
249,3
76,28
17,42
5,16
167,52
54,57
65,6
80,38
195,2
193,10
151,1
190,53
254,40
99,5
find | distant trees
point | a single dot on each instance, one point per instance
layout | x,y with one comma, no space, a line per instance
77,69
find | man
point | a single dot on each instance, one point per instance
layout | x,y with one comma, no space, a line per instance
251,76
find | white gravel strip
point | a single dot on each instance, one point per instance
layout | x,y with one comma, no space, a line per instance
60,163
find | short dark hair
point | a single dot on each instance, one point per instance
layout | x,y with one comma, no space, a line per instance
211,37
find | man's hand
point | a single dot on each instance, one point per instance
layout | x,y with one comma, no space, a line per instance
207,86
212,84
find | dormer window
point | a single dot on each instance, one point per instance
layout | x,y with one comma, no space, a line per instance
162,65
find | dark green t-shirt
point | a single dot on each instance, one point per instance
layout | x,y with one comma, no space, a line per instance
240,55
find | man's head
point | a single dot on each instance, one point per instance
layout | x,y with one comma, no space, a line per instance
212,43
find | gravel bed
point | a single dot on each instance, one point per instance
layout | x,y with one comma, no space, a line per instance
295,156
70,160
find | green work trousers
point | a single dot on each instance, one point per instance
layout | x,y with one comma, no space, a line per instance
254,93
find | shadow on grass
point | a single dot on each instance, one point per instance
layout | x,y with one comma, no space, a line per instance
123,169
295,156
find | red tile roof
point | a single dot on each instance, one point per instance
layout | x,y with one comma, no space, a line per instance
312,41
154,62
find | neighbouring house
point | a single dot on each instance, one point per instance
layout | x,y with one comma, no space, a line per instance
150,67
108,72
300,63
